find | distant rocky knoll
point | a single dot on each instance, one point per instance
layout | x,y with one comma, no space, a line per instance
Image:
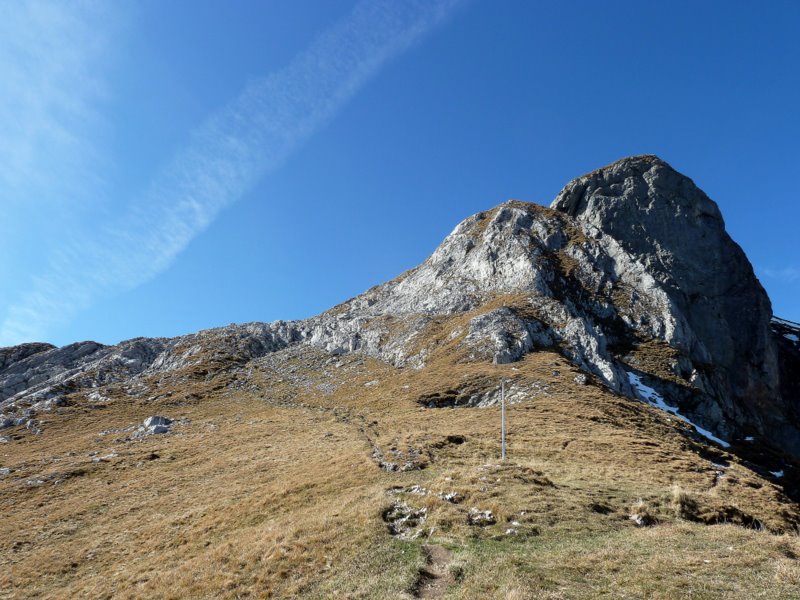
630,274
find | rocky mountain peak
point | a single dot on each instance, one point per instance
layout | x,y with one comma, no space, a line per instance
676,231
630,275
657,214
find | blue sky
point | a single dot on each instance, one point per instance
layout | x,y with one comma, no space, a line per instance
172,166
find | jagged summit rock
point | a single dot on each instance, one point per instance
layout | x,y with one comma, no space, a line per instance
630,275
13,354
665,222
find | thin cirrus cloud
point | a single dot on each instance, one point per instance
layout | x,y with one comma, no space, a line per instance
51,57
786,274
254,134
53,61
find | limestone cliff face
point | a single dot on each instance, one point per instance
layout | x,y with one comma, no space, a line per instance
630,273
665,222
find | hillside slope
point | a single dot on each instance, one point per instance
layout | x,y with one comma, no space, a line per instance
356,453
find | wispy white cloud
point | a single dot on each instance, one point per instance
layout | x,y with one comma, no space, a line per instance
251,136
51,58
788,274
54,56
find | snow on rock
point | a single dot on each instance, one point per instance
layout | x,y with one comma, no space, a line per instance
653,398
777,474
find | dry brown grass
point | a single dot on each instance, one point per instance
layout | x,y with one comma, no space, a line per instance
268,490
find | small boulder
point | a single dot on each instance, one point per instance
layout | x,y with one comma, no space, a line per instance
156,421
153,425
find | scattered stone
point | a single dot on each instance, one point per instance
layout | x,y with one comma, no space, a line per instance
106,458
581,379
452,497
46,405
156,422
96,396
640,514
4,471
410,460
480,518
326,388
417,490
152,426
404,521
117,430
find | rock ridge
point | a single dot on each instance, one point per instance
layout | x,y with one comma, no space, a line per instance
629,271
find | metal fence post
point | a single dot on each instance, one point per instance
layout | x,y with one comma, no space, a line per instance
503,418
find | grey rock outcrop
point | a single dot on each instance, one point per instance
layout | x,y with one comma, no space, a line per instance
153,425
668,225
14,354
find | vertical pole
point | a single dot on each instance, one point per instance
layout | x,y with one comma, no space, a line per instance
503,418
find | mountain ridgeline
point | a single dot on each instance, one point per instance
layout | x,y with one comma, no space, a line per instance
629,274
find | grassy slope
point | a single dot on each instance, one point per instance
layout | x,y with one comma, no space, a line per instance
269,489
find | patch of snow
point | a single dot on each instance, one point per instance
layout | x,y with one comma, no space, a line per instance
777,474
653,398
749,438
792,337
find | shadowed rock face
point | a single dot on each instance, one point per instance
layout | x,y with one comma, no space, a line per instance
14,354
670,226
630,257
